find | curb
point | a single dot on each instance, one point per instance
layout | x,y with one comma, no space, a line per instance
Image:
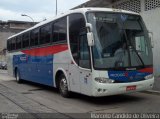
151,92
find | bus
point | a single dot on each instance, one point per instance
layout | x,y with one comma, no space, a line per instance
92,51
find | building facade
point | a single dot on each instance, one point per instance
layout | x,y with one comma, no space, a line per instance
7,29
149,10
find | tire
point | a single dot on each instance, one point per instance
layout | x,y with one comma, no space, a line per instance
63,87
18,79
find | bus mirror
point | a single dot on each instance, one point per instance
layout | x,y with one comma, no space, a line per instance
89,26
151,38
90,39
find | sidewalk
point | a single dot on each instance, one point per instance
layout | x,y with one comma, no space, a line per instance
157,84
156,87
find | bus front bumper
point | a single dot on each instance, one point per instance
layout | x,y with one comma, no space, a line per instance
121,88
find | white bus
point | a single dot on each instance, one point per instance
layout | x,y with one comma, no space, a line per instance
92,51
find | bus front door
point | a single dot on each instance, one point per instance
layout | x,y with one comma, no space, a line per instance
74,78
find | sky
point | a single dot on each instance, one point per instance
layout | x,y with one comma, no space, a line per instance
37,9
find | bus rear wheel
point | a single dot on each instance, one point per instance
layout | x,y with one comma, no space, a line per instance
63,87
18,79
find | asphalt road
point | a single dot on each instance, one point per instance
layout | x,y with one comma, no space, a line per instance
36,100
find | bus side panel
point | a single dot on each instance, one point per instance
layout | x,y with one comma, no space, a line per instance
36,64
61,63
45,70
37,69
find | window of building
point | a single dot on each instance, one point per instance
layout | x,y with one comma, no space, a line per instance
25,40
151,4
45,35
34,37
18,42
60,30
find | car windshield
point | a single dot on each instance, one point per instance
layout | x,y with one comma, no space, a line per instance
121,40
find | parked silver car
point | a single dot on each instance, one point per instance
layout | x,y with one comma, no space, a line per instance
3,65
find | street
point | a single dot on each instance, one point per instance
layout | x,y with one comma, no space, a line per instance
36,99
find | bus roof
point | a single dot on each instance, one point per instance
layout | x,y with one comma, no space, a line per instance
80,10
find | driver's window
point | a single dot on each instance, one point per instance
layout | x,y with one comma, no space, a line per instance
84,60
141,44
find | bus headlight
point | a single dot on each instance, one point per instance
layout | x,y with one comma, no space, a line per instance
149,76
104,80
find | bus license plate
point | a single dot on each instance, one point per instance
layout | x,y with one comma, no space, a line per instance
130,88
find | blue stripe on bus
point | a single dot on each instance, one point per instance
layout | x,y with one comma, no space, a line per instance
37,69
127,76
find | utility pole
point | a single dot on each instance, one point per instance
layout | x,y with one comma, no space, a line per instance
56,7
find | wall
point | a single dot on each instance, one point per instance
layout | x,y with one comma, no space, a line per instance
3,38
152,20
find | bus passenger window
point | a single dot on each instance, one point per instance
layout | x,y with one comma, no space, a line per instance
55,32
45,34
18,42
63,29
34,37
25,39
13,44
8,45
60,30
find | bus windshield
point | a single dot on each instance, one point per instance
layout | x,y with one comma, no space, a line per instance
121,41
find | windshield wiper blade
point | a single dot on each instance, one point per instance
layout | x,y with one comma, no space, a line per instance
137,54
133,49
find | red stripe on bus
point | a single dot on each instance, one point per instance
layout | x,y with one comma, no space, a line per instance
147,70
45,51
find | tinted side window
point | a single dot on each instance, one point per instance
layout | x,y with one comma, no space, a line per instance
60,30
45,35
63,29
13,44
34,37
55,34
76,23
25,39
18,42
9,45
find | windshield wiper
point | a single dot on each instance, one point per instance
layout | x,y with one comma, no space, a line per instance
130,42
126,38
137,54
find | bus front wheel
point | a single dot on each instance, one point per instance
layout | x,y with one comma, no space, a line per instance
63,87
